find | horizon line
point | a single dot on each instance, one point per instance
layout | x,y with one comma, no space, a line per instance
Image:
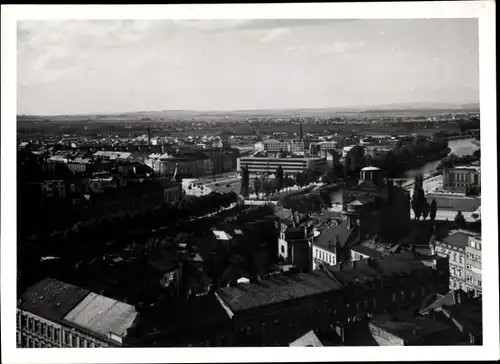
353,107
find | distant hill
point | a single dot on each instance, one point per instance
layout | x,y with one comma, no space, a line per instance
397,108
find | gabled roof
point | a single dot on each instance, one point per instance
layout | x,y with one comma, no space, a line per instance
328,239
458,238
440,301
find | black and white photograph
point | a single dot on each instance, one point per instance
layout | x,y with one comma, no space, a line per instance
262,180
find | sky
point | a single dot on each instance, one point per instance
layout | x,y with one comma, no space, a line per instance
107,66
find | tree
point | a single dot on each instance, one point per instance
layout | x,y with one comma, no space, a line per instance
415,205
245,174
279,178
433,210
425,210
257,184
460,219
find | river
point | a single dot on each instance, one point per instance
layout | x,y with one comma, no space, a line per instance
460,147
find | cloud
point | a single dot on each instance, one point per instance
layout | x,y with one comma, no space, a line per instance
274,34
325,49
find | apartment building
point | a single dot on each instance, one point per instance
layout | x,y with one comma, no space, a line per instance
459,246
473,271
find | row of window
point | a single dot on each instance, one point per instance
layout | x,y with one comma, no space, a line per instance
455,284
473,257
40,328
474,269
47,332
456,272
471,279
29,342
325,256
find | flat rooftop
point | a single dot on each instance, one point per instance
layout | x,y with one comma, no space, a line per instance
102,315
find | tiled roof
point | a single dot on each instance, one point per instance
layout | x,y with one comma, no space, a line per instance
327,240
458,238
52,299
407,325
386,265
366,251
275,290
440,301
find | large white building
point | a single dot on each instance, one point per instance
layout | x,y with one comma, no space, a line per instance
290,165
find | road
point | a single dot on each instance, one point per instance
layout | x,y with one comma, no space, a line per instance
442,215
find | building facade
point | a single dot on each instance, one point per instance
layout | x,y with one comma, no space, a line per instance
54,314
473,271
292,165
291,146
455,246
459,179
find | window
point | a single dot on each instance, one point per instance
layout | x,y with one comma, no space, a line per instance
37,327
468,266
460,259
455,257
67,338
43,328
74,341
479,283
24,320
282,249
56,334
